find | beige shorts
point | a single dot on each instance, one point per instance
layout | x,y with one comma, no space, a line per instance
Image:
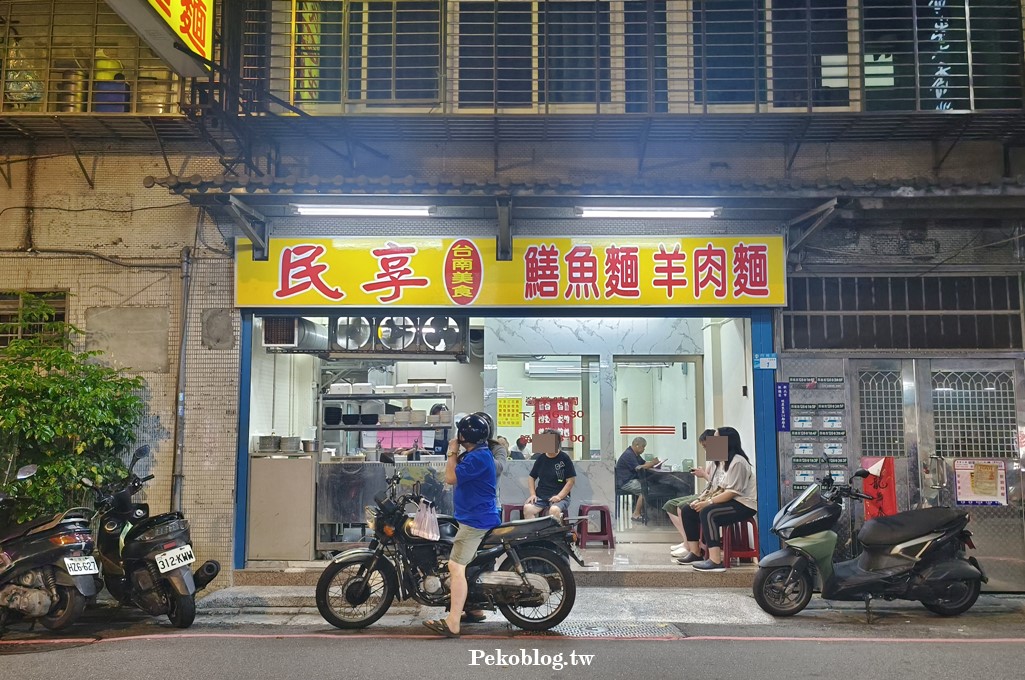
465,545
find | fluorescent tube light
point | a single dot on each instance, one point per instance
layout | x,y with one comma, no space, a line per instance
328,210
650,213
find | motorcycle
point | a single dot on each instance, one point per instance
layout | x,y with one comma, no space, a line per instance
146,560
46,566
533,587
915,555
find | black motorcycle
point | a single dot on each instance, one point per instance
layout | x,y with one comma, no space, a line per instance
533,587
146,560
46,566
914,555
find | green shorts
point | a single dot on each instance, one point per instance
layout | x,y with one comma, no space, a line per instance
675,504
465,544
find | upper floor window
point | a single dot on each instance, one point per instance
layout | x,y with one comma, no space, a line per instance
650,56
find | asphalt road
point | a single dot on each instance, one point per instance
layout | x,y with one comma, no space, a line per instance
704,635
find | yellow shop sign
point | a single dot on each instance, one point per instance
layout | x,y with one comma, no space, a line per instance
560,272
191,20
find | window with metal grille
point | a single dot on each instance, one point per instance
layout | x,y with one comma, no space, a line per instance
78,56
15,320
642,56
903,313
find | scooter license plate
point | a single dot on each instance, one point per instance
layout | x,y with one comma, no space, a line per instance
173,559
79,566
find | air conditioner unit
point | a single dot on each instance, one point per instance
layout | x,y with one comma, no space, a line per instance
551,369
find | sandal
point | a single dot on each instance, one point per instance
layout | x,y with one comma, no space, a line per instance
440,626
467,617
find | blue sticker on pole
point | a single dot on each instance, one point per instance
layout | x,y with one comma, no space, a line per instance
782,407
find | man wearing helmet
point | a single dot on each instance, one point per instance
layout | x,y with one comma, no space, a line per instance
475,497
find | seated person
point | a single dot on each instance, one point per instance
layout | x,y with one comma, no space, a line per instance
550,481
627,480
712,474
522,449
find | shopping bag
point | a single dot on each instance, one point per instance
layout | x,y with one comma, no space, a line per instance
425,522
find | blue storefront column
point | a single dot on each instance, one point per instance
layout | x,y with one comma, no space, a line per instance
766,458
242,462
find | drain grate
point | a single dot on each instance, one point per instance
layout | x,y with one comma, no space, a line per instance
607,629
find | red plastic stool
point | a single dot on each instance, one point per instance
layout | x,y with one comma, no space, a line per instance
509,508
604,533
740,540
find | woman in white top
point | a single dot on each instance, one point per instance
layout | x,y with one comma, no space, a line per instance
734,501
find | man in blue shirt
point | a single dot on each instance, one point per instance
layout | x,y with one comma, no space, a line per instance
475,498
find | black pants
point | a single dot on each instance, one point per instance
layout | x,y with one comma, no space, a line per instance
710,520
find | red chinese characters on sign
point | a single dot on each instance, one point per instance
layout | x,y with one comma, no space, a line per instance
670,270
555,413
193,24
622,267
710,270
299,271
396,274
541,275
464,272
751,270
164,6
582,272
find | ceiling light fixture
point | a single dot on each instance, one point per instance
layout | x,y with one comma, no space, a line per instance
650,213
328,210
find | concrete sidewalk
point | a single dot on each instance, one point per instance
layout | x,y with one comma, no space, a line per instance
728,607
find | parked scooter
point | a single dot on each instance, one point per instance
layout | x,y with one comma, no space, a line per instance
146,560
914,555
46,566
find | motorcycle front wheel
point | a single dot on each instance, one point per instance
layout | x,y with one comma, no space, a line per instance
560,579
350,595
774,595
69,608
958,603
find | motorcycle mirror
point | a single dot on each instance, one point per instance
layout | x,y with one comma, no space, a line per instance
87,483
139,454
861,473
26,472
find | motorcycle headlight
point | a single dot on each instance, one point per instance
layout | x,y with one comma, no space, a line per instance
165,529
370,516
786,533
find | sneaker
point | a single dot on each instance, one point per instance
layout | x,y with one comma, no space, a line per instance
708,565
688,558
679,552
678,546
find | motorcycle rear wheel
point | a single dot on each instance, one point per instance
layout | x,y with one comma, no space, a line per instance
958,605
69,608
346,588
775,597
553,567
181,609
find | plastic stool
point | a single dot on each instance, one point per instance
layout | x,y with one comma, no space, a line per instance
740,540
604,533
509,508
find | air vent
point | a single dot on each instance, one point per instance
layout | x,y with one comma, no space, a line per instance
293,333
436,338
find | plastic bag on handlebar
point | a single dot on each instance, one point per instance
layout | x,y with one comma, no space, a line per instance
425,522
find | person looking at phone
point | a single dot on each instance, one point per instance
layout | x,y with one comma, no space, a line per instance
733,501
628,467
712,473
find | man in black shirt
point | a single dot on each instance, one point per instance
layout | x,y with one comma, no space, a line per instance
550,481
628,466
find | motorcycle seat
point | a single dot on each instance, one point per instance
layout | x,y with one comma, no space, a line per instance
906,525
521,528
18,530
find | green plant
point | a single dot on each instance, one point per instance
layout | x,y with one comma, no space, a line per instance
59,408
